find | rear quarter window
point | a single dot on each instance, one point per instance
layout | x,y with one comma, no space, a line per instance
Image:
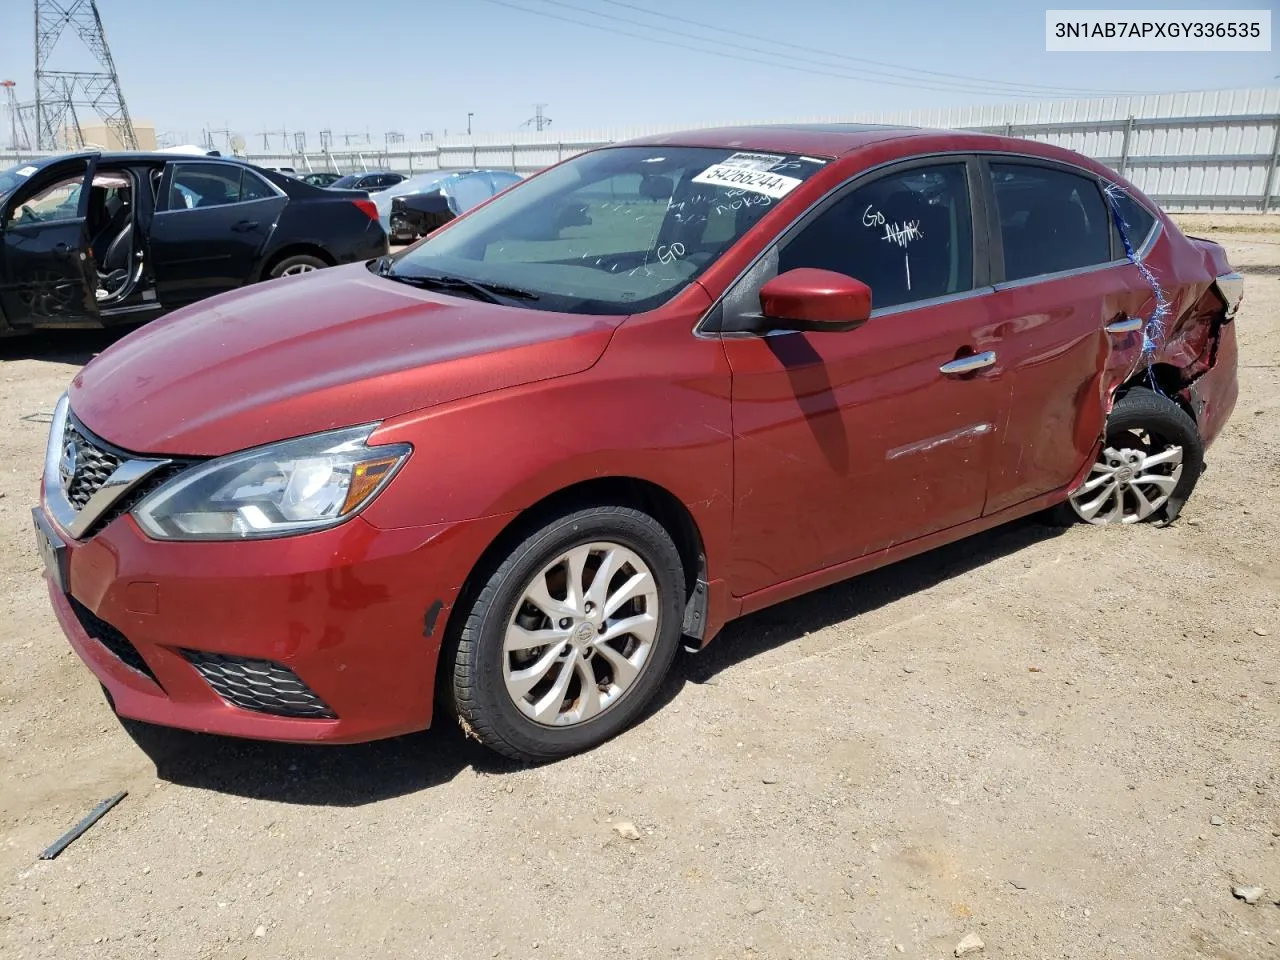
1133,218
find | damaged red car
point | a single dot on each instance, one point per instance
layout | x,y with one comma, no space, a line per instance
511,470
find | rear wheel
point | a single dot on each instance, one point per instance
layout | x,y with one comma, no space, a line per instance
571,635
295,265
1151,458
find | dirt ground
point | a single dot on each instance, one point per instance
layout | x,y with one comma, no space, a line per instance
1064,742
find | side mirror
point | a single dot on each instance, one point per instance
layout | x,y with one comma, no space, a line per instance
815,300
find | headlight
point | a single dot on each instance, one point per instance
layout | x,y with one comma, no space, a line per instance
291,487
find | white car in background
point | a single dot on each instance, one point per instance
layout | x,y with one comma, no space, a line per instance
436,197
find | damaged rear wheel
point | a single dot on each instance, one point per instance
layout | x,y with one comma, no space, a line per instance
1151,458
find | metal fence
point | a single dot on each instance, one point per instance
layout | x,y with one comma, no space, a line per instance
1211,150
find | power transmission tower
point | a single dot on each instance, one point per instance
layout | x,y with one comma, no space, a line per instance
16,124
539,120
226,133
62,94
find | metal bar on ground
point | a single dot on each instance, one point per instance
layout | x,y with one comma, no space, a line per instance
96,814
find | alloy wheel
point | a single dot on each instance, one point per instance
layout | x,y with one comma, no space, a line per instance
581,635
1130,481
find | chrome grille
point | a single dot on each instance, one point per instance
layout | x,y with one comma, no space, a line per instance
90,466
88,482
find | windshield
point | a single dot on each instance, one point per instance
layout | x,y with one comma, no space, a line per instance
615,231
14,177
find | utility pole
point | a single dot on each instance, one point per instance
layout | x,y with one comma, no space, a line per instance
469,116
61,94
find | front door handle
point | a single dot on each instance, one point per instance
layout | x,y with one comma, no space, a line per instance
244,226
962,365
1125,325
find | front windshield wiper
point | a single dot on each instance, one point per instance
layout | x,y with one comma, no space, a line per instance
488,292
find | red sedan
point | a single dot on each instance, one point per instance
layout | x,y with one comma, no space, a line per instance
656,387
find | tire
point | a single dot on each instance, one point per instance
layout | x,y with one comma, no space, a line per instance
297,264
490,672
1143,431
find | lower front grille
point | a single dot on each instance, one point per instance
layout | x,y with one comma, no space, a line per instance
111,638
260,685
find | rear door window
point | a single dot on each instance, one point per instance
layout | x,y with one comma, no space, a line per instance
198,185
1050,220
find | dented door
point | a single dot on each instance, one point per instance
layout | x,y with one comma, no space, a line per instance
1070,317
1069,342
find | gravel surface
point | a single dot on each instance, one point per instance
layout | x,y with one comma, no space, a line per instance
1054,743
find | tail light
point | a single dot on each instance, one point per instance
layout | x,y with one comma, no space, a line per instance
367,208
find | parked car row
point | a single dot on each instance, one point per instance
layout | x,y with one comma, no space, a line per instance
659,386
161,230
97,239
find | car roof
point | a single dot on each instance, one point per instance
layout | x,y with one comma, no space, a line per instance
830,141
119,156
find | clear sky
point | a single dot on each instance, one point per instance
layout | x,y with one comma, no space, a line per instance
415,66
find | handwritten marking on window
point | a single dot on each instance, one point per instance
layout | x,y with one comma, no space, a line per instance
872,218
666,254
902,233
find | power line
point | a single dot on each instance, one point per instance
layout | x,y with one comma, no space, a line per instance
1045,88
785,65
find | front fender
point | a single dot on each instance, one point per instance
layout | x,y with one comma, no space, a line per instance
656,407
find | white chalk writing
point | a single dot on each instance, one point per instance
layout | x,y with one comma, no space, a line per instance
872,218
674,252
902,233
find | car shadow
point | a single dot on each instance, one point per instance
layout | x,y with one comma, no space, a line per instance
346,776
60,346
778,625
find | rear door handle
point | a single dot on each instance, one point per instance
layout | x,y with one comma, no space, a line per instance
962,365
1125,325
244,226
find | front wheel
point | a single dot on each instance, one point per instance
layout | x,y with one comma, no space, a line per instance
570,637
1151,458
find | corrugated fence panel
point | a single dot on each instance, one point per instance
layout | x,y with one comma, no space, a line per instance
1213,149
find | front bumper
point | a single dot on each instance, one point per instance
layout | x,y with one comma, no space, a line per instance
355,613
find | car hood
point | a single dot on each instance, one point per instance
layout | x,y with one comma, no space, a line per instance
323,350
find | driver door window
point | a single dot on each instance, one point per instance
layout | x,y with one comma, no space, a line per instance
908,236
58,201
